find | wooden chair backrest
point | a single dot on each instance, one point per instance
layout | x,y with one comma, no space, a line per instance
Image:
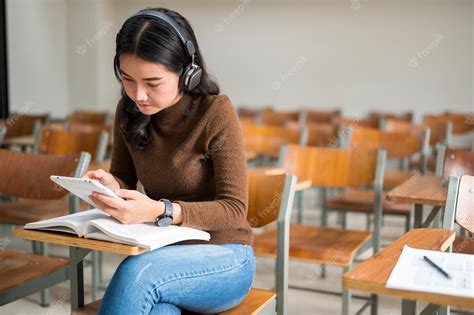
23,125
465,203
322,116
398,144
27,175
462,123
377,116
460,203
270,117
88,117
331,167
268,139
438,130
265,196
356,122
63,142
458,162
319,134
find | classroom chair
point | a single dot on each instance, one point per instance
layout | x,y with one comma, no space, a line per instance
331,168
270,201
25,176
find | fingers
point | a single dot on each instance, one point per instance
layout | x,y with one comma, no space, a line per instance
108,201
128,194
96,175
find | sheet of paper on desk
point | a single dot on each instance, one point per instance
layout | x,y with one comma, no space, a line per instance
413,273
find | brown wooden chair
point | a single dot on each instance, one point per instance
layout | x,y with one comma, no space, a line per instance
340,168
23,129
318,134
379,118
62,142
399,145
321,116
457,162
440,133
89,117
267,140
270,201
278,118
25,176
462,123
459,208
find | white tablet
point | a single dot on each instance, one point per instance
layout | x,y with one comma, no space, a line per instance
83,188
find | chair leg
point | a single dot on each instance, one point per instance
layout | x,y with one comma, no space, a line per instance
408,223
101,277
346,296
95,274
44,250
374,307
299,200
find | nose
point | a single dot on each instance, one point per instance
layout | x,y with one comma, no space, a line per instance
141,94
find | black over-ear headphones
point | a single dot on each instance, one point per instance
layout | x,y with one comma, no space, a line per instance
192,73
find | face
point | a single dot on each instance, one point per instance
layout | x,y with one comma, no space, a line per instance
150,85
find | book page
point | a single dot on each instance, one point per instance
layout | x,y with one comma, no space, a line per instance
413,273
76,223
148,235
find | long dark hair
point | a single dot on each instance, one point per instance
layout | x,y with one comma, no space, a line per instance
155,40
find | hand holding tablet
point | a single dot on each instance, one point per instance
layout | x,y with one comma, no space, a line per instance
83,188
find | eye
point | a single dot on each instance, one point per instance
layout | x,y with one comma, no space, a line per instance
127,79
153,85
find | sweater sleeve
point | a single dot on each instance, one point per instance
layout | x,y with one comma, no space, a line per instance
227,155
122,167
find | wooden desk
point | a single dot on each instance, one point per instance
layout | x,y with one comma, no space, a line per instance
372,274
421,190
78,249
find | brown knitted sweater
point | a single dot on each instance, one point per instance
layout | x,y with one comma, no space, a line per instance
195,158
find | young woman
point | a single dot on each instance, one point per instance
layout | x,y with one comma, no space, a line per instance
182,140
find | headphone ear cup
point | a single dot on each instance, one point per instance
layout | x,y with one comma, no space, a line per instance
191,76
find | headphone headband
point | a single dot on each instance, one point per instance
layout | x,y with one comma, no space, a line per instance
187,42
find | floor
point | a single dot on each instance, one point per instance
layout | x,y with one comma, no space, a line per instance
301,274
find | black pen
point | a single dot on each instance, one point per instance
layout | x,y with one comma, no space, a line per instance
432,263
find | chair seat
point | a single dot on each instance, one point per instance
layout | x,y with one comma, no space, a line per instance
17,268
255,301
23,211
315,244
463,245
393,178
363,201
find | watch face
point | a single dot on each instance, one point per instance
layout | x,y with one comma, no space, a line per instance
165,221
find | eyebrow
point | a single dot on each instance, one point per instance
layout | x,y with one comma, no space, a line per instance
146,79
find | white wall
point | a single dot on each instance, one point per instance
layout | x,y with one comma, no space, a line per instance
37,56
356,54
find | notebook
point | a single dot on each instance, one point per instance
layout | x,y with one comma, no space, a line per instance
414,273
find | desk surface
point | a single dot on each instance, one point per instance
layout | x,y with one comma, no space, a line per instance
74,241
420,189
372,275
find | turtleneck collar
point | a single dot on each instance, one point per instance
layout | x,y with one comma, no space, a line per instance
176,111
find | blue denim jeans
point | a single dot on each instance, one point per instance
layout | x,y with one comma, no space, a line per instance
198,278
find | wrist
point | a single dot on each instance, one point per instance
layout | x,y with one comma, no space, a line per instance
158,209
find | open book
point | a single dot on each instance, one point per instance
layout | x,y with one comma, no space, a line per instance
99,225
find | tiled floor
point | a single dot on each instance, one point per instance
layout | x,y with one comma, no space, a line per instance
301,274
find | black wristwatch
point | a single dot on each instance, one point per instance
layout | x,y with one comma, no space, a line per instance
166,218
